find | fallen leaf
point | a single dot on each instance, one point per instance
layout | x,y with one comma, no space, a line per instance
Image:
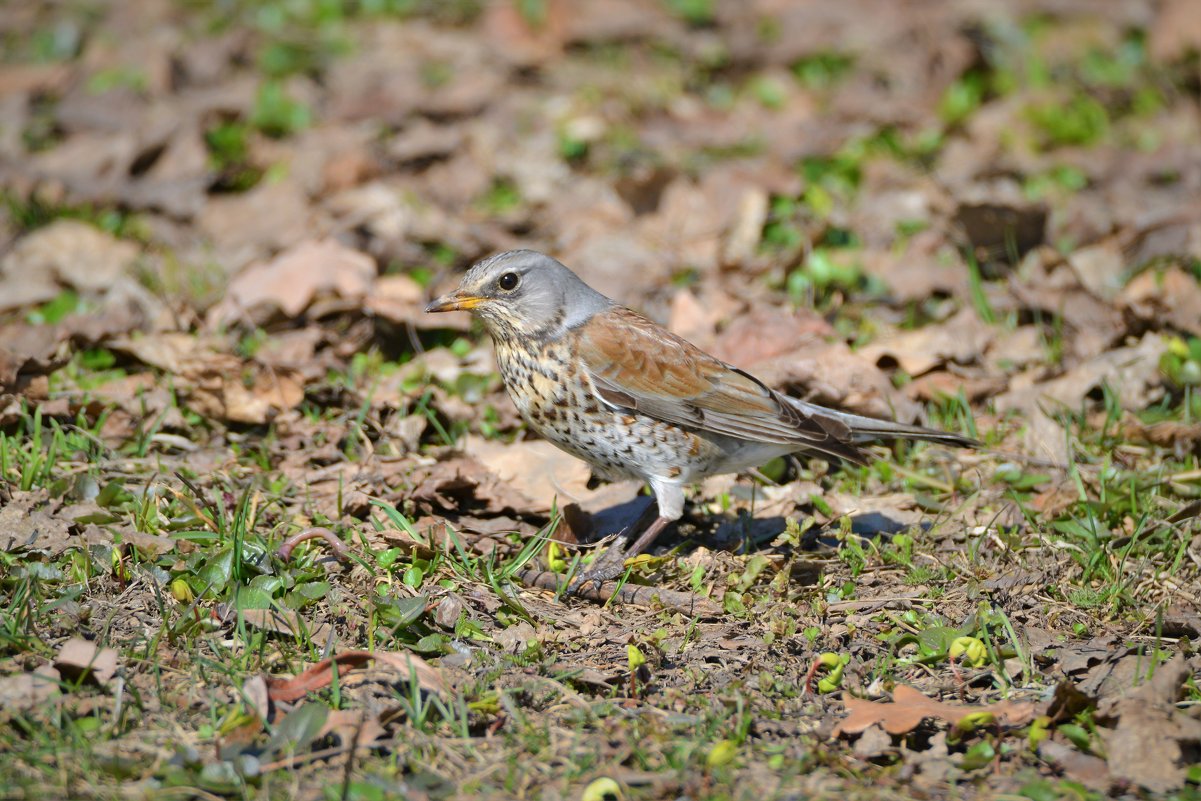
1172,296
24,691
79,660
285,622
517,637
995,228
463,485
1148,714
218,384
403,665
908,708
25,526
831,374
961,339
254,692
1100,267
1131,372
528,38
535,468
75,253
291,281
27,351
1175,32
352,726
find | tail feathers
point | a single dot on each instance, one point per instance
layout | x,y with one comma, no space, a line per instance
867,429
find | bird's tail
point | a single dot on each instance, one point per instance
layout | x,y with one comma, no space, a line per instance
868,429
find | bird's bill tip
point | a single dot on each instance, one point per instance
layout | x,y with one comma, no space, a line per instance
454,302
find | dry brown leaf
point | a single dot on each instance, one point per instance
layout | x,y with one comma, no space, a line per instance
1100,267
1176,31
1172,296
908,708
1148,714
352,725
1166,434
403,665
961,339
228,397
79,659
218,384
1049,285
28,350
179,353
927,266
73,252
767,332
24,527
291,281
463,485
1131,372
524,40
254,692
285,622
23,691
831,374
535,468
400,299
695,319
995,225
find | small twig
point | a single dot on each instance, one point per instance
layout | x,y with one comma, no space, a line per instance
314,532
687,603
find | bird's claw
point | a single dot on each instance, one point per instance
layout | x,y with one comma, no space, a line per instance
608,566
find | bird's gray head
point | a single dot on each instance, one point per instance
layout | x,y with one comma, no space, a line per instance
524,293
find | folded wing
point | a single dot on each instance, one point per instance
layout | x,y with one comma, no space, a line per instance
637,365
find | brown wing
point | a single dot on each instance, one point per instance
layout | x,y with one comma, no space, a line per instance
638,365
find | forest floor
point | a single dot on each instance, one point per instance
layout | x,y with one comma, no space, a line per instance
221,223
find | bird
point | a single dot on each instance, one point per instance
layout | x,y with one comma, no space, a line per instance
633,400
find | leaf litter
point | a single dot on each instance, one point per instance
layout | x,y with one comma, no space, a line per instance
213,264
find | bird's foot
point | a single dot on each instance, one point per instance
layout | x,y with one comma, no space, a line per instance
608,566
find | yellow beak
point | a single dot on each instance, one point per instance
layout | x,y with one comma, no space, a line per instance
454,301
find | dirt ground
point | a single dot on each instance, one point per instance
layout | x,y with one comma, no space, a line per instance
268,530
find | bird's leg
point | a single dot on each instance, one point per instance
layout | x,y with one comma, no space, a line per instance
669,500
611,562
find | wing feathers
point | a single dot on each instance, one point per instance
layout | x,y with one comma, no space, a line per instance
635,364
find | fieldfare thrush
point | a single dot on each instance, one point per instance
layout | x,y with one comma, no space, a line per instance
632,399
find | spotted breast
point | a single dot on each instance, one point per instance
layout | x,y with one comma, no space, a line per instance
556,398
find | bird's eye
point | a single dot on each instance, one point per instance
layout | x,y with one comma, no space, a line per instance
508,282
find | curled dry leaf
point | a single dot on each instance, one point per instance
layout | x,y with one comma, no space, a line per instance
961,339
218,384
1171,296
26,524
352,725
284,622
404,665
536,469
908,708
27,351
71,252
23,691
79,659
291,281
1148,714
463,485
1131,372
